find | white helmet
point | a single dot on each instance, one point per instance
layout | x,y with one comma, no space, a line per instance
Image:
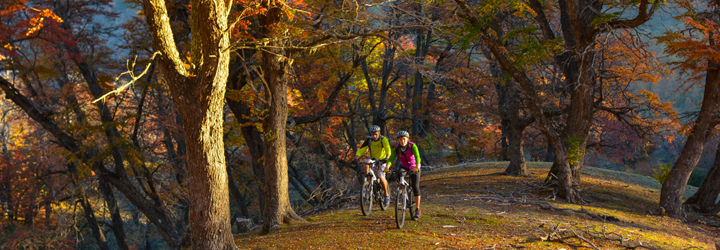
374,128
403,133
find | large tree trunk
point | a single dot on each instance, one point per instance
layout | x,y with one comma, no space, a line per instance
200,96
580,117
705,199
275,183
207,176
674,186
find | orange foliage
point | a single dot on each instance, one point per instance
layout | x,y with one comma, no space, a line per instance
697,45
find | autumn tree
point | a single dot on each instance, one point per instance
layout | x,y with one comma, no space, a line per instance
579,31
698,48
199,93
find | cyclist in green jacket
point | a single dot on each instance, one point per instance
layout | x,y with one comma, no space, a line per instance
379,147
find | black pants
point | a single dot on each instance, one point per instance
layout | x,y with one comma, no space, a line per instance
414,179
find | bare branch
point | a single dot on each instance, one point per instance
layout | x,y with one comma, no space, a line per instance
133,77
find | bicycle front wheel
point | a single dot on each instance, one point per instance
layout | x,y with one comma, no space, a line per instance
380,194
400,206
366,198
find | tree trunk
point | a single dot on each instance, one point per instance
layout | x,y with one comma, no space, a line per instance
275,183
48,214
581,114
253,138
515,150
422,44
564,176
512,123
504,145
117,227
549,153
239,197
199,94
93,223
705,199
255,144
674,186
377,108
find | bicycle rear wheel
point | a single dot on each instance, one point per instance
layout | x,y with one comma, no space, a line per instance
400,206
366,198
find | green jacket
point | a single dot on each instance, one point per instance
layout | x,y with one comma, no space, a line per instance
396,151
379,149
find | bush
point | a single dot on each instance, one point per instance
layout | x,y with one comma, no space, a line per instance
662,172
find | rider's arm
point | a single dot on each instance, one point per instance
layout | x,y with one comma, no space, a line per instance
417,154
386,147
362,149
392,157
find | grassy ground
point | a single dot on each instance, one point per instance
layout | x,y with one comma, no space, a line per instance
470,208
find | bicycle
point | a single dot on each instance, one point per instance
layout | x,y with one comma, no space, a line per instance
404,199
370,188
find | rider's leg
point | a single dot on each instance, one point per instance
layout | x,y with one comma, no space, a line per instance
367,168
415,182
384,184
383,181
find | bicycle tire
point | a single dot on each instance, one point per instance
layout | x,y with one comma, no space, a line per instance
400,206
366,198
380,196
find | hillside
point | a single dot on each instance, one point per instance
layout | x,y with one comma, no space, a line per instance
470,207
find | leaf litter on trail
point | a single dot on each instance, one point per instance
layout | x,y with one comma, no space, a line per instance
452,219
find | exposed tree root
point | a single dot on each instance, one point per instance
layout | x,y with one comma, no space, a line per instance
556,235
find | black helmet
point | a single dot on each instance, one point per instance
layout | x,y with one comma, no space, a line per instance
403,133
374,128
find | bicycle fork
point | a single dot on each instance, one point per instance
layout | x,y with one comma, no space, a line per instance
371,172
404,186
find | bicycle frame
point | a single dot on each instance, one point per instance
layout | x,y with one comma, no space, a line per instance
404,200
374,188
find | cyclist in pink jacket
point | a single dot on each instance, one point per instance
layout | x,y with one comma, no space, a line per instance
409,160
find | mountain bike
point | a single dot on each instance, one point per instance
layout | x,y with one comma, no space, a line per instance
404,199
372,188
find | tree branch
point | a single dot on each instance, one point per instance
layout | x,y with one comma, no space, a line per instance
325,112
65,140
643,16
159,25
